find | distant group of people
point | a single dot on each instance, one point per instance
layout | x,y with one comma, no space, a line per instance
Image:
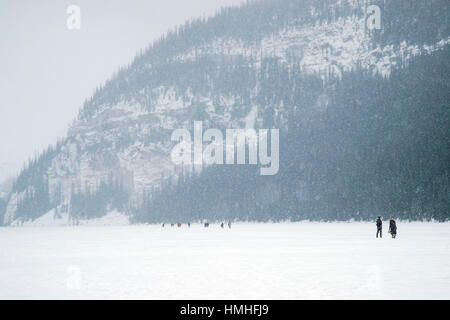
392,227
379,222
206,224
178,224
229,224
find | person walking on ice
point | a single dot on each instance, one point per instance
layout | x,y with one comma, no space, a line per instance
392,228
379,226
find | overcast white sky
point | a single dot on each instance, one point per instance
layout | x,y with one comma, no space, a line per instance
46,70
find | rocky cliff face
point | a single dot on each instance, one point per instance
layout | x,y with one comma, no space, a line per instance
204,72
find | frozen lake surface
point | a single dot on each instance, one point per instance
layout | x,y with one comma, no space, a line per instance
250,261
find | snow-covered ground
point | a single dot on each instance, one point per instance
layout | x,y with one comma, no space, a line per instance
250,261
112,218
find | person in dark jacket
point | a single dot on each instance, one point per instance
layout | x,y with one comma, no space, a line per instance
379,226
392,228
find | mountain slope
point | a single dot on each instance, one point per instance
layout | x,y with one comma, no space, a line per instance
358,148
218,70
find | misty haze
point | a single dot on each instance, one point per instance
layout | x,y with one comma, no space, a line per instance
284,134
